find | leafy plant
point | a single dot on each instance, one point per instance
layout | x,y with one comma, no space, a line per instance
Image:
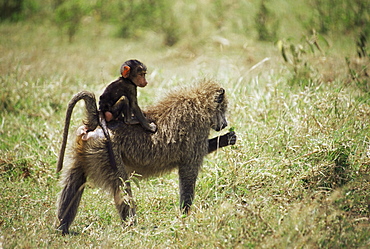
266,23
10,9
340,16
358,67
140,16
297,56
18,10
68,16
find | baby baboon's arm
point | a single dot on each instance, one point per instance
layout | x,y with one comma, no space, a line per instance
221,141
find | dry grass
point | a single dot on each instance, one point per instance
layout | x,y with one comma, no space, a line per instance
297,177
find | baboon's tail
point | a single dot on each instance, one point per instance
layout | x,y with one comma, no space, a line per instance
91,122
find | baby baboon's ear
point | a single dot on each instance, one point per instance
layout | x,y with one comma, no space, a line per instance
220,95
125,72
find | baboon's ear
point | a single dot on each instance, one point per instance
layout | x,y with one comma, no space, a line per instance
125,72
220,95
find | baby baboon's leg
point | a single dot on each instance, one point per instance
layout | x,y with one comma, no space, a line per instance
124,202
187,179
69,199
123,106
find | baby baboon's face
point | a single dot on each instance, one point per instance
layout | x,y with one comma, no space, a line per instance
139,78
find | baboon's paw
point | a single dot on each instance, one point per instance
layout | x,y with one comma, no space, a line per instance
231,137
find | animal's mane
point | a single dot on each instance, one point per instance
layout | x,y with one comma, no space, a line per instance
184,108
189,100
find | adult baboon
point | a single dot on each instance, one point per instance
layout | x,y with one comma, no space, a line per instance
184,119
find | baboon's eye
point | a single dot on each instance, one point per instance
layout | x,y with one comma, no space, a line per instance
220,96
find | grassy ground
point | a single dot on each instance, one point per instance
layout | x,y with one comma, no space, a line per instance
298,176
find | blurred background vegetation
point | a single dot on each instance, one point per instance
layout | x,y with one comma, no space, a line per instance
175,21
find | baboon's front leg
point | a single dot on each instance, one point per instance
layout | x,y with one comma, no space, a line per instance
221,141
187,180
69,199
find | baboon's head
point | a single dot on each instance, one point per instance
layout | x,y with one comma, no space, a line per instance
219,120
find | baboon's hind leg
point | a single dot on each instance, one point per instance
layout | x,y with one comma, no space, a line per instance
124,202
70,198
187,180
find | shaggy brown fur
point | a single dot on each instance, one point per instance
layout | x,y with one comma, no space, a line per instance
184,119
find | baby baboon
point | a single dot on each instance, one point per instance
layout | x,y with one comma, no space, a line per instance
184,120
120,96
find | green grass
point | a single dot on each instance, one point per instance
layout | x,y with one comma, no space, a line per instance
298,176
